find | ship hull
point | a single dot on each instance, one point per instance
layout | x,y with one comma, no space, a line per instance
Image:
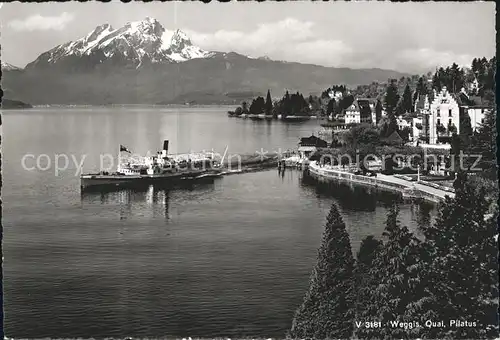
97,181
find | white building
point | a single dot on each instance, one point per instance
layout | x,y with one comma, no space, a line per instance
444,117
352,114
476,115
417,128
476,111
362,110
403,123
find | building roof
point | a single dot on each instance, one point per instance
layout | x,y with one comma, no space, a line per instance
394,137
364,107
370,100
356,106
478,102
313,141
471,101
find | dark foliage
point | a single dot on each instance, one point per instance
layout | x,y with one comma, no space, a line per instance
328,307
269,104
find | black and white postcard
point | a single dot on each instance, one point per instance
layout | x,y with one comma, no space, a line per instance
249,170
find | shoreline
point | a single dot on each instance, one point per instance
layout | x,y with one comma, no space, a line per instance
384,182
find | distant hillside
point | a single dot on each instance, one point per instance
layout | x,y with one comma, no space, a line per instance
9,67
14,104
143,63
207,98
182,82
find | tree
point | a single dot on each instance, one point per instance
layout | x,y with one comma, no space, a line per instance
331,106
489,81
440,129
369,250
400,110
461,269
484,142
393,282
315,103
328,307
269,103
457,78
378,112
407,100
244,107
454,162
437,79
452,128
421,89
362,134
391,97
258,106
405,133
287,107
391,102
367,253
345,102
465,125
389,164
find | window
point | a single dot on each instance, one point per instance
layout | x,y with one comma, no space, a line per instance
438,111
449,113
449,122
439,121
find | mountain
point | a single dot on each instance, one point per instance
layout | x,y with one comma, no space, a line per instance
136,44
141,63
9,67
14,104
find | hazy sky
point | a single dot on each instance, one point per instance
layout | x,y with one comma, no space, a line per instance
409,37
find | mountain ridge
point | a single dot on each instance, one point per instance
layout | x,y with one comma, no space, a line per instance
9,67
139,63
134,44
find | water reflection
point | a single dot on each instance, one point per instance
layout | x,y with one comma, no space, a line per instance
355,197
142,201
423,214
349,196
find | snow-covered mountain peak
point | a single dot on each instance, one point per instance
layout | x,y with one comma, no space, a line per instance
136,43
149,26
181,48
98,31
9,67
180,39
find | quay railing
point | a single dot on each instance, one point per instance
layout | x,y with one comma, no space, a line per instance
431,197
437,186
329,172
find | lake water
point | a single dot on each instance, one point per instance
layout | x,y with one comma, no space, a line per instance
228,258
